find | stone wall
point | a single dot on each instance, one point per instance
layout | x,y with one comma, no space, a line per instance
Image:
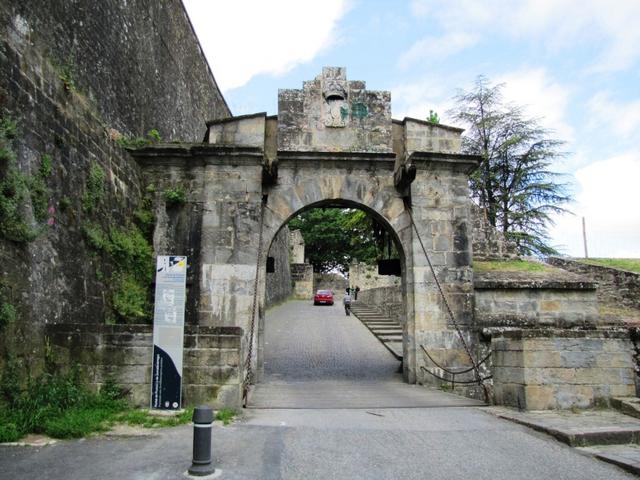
488,242
614,285
138,63
517,299
558,368
297,247
302,278
330,281
386,299
76,76
366,277
279,285
212,366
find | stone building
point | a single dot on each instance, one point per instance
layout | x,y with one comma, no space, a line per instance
224,201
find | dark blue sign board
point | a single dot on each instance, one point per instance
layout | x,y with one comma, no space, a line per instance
168,332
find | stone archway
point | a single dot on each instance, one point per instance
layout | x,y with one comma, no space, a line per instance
390,216
254,172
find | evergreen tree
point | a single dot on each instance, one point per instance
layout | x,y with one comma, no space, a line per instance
514,184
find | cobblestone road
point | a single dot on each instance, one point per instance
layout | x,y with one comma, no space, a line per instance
305,342
317,357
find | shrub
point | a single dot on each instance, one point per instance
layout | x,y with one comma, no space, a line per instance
94,192
175,196
132,257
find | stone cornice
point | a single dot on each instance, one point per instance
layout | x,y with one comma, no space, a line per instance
196,154
235,119
458,161
345,159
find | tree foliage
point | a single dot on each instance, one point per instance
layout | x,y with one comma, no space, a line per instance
514,184
334,237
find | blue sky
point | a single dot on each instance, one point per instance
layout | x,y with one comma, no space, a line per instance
575,64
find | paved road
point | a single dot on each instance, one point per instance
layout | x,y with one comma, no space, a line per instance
317,357
352,444
394,444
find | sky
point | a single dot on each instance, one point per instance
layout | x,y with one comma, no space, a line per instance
573,64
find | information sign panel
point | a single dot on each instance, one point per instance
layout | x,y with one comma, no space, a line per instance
168,332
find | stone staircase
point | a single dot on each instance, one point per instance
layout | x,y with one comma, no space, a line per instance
388,331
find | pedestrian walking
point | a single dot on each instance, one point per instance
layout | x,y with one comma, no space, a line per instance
346,300
356,295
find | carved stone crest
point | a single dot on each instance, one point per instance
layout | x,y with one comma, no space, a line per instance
335,109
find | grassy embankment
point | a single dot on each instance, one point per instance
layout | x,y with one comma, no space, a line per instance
630,264
60,406
510,266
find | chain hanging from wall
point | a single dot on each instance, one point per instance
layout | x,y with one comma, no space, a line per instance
475,366
248,378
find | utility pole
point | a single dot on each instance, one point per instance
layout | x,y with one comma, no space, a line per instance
584,238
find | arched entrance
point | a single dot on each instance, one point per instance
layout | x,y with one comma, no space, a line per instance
332,143
399,248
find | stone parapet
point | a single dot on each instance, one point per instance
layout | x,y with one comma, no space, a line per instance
525,300
542,369
488,242
388,300
212,371
614,285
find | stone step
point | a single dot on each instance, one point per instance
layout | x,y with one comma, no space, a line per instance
387,331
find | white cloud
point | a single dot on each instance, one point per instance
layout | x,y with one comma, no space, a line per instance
609,199
610,29
415,99
244,38
542,97
623,118
436,48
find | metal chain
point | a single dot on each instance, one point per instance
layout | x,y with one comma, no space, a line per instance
475,366
247,365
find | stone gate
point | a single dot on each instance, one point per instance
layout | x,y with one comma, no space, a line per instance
333,143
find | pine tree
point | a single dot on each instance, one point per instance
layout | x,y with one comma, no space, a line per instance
514,184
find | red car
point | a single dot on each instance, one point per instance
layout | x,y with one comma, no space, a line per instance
323,297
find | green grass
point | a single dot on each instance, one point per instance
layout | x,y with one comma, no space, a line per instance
225,415
145,419
510,266
60,406
630,264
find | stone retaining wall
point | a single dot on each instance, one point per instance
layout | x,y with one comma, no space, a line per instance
75,76
386,299
302,278
278,283
330,281
542,369
614,285
517,299
366,277
212,370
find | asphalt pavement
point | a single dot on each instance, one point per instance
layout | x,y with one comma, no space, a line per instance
307,349
412,443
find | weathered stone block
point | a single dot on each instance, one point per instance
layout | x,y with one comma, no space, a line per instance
538,397
201,357
562,368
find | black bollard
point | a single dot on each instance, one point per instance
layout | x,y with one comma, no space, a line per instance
202,422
